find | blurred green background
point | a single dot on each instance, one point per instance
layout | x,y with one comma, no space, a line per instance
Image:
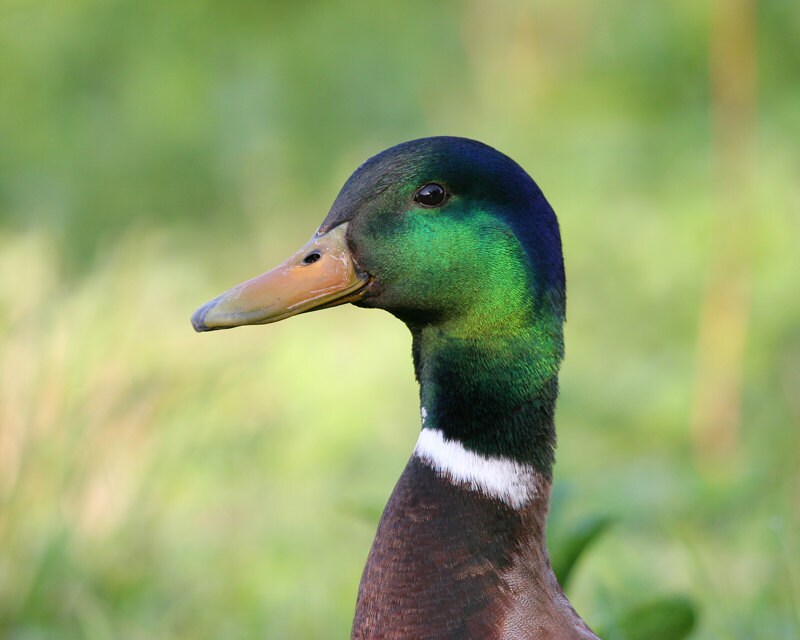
155,483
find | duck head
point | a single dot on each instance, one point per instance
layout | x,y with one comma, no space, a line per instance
442,231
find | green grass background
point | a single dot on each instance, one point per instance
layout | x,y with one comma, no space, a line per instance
155,483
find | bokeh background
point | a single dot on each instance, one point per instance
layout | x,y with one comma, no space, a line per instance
155,483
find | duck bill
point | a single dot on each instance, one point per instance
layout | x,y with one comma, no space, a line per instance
321,274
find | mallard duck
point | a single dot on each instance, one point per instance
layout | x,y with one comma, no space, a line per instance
456,240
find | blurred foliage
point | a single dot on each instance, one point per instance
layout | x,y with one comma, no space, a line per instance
667,619
159,484
568,546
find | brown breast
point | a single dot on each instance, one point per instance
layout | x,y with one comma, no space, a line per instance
451,563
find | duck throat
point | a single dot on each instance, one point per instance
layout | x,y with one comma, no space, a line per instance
494,395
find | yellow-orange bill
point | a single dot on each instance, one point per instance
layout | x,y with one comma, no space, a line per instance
321,274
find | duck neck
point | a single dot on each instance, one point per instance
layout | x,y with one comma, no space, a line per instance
460,551
494,394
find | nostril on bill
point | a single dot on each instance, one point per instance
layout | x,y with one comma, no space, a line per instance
312,257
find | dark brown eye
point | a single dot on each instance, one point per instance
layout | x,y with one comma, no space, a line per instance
431,195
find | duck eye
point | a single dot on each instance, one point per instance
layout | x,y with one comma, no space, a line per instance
431,195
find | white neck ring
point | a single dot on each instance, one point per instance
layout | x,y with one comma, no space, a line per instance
513,483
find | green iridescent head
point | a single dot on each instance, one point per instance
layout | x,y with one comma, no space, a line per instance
438,231
453,233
